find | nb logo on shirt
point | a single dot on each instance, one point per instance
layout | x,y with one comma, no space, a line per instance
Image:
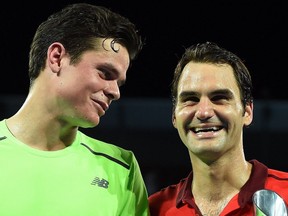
101,183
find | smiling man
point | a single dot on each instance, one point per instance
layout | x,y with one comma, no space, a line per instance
79,58
212,103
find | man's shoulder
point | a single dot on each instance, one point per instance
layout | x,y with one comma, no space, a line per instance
277,181
111,151
170,191
278,174
98,144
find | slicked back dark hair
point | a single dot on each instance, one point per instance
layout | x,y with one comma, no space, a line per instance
210,52
77,26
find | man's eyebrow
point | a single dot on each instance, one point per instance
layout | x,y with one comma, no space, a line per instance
187,94
227,93
218,91
109,67
223,92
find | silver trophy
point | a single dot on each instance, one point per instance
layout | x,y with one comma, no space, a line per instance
268,203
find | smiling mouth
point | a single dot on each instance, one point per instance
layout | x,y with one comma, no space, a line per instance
208,129
103,105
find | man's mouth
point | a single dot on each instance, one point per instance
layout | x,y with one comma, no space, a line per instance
207,129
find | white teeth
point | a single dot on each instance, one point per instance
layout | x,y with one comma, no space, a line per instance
206,129
215,128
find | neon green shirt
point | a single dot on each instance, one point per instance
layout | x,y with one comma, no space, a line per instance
88,178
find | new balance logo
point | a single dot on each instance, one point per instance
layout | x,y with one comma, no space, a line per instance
101,183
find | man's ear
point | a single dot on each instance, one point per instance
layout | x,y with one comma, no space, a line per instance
173,119
248,115
55,53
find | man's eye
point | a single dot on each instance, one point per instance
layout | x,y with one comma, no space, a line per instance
104,74
192,99
219,97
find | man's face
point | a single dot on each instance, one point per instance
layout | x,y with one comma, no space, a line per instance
209,113
86,89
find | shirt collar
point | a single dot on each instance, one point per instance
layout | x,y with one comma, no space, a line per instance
255,182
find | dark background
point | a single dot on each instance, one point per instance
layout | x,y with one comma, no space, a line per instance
254,30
